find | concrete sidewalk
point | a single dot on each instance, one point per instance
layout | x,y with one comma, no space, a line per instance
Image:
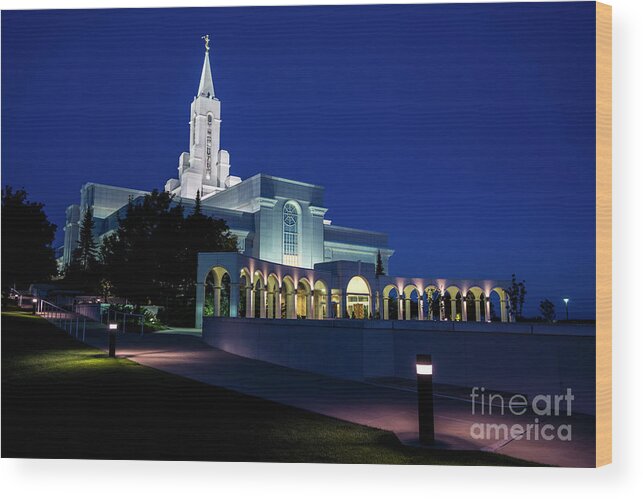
388,407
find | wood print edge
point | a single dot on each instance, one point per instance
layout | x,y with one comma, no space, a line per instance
603,233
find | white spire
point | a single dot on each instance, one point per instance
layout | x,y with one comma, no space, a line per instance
206,87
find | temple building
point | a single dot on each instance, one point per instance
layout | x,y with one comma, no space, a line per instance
292,262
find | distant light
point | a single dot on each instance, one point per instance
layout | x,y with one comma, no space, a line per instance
566,300
113,326
424,369
34,300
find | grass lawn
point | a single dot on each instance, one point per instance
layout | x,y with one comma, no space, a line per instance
63,399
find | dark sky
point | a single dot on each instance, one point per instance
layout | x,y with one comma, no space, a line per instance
464,131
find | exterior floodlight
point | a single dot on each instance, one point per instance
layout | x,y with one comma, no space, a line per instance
424,372
113,327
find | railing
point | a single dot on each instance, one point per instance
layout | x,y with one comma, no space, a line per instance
115,314
90,310
63,319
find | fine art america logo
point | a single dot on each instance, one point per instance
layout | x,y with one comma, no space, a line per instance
519,408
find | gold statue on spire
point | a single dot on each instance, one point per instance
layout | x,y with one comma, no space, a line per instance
207,42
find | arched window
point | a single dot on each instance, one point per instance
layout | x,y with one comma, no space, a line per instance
291,234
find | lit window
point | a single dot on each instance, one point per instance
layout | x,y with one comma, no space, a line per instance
291,234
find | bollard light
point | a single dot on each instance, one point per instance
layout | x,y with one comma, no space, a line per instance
34,301
424,372
112,328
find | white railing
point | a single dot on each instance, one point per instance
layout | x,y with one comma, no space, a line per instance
113,316
72,323
90,310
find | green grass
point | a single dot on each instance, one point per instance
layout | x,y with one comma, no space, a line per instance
63,399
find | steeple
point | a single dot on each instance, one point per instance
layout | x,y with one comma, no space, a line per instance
205,169
206,87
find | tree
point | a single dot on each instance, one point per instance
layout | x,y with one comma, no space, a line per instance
27,237
86,254
379,269
138,257
435,303
547,310
516,292
83,271
152,256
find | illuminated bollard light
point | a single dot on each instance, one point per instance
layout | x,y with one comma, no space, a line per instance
424,371
34,301
112,329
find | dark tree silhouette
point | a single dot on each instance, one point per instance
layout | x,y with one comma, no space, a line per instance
84,271
547,310
379,269
27,235
516,292
152,257
86,255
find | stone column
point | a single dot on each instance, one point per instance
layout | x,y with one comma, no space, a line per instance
234,299
340,308
310,312
200,299
503,310
262,303
443,311
250,306
278,304
217,301
420,308
487,303
464,309
271,304
478,318
386,305
407,309
377,313
291,305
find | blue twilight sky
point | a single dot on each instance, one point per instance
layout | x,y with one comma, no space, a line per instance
466,132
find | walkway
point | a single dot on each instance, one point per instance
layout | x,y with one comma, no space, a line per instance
384,404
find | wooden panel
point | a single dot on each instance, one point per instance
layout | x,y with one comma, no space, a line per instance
603,233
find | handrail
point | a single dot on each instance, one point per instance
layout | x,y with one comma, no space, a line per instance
61,318
124,314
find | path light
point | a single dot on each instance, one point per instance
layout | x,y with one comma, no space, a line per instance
424,371
34,301
112,328
566,300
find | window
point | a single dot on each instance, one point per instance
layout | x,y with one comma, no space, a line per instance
291,234
209,119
